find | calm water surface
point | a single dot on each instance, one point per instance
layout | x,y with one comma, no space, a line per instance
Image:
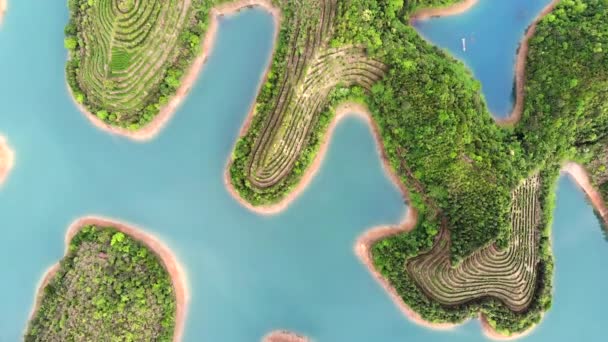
247,274
492,30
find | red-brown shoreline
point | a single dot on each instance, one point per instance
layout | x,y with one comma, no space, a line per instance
153,128
457,8
169,261
284,336
7,159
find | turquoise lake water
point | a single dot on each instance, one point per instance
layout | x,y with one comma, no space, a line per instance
247,274
492,30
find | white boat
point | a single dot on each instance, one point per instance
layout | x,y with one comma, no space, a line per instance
464,44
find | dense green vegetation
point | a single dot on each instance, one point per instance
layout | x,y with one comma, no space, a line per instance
459,166
109,287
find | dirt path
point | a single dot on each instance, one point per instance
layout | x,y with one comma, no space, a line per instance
7,159
176,272
152,129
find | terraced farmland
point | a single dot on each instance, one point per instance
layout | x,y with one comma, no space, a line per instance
312,70
123,56
508,275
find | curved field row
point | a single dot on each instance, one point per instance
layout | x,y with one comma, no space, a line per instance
313,70
508,275
125,49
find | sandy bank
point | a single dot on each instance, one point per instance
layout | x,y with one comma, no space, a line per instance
284,336
580,176
7,159
457,8
153,128
176,272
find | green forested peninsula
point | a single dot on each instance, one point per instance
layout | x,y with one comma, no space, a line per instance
108,287
462,170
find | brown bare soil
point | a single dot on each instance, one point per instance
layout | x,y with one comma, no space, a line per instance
579,174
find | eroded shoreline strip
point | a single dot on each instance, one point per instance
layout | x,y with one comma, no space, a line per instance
7,159
582,179
284,336
457,8
168,259
154,127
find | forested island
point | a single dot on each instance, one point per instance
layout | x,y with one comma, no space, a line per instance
482,193
115,283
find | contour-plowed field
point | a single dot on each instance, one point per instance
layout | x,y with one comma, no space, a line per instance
312,71
509,274
126,48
